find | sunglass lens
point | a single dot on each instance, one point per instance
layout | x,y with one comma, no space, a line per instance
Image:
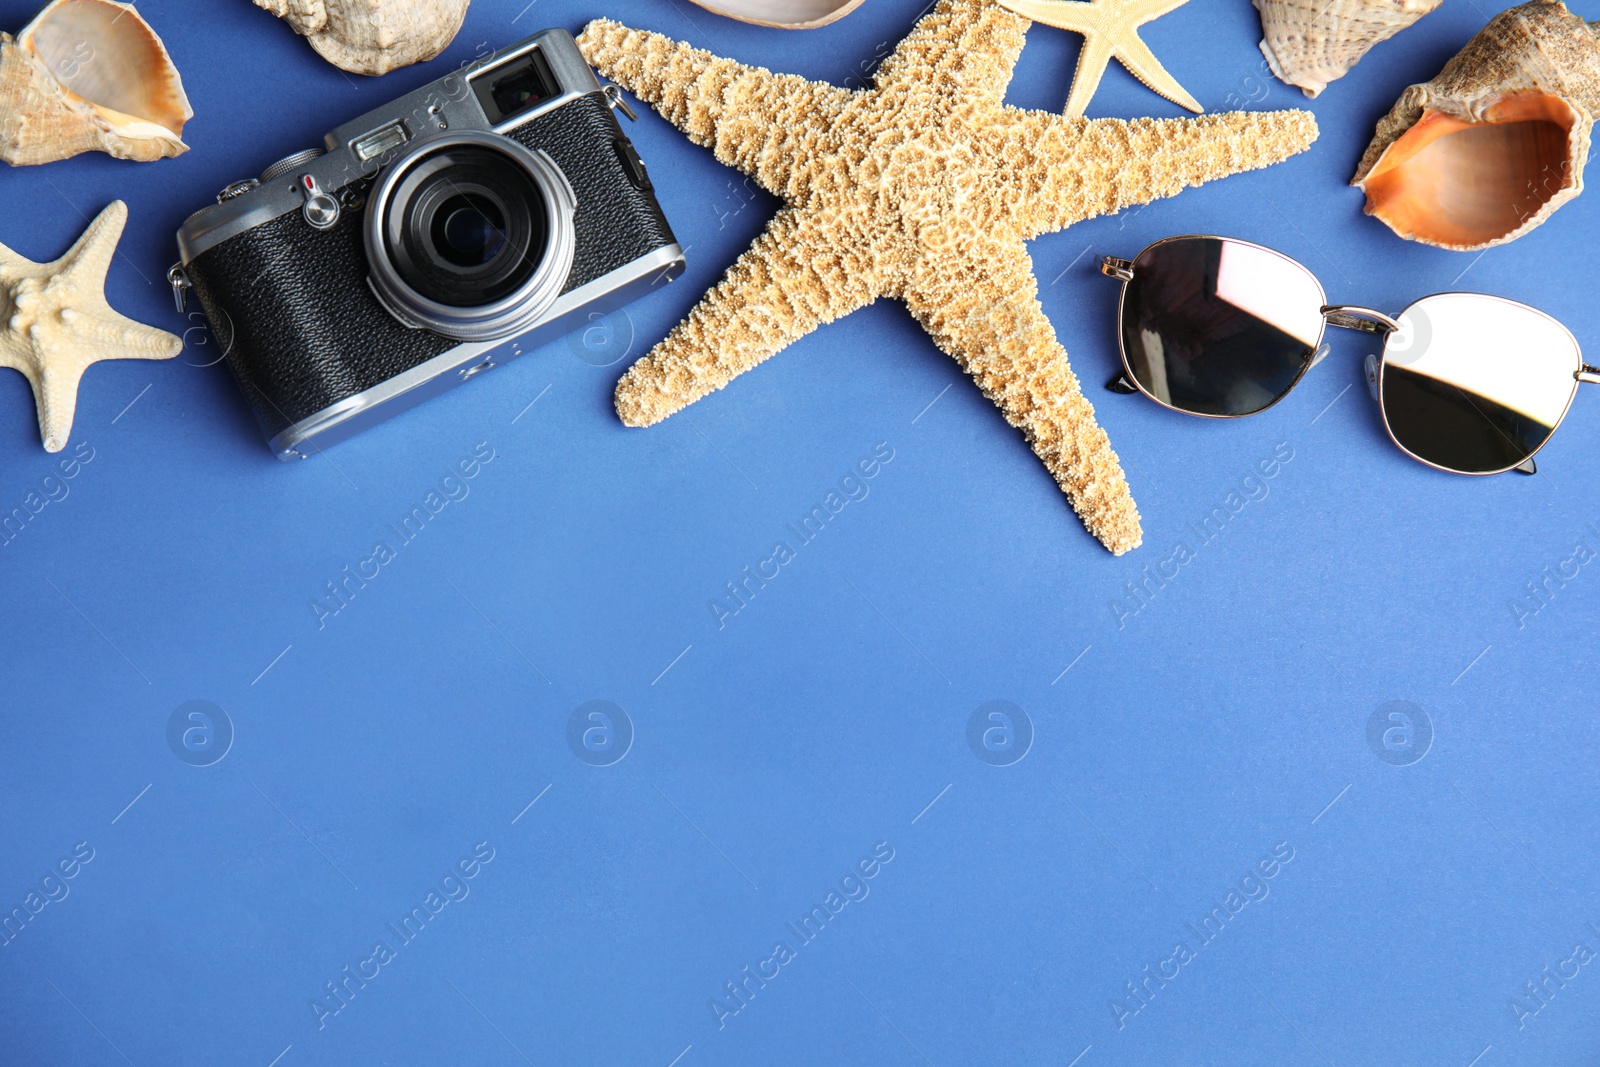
1218,327
1476,384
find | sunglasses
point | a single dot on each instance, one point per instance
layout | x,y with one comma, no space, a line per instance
1222,328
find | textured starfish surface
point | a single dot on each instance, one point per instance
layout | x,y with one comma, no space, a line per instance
922,188
57,322
1110,31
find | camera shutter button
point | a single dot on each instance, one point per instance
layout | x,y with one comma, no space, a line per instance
321,209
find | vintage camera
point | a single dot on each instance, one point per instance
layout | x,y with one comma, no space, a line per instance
351,282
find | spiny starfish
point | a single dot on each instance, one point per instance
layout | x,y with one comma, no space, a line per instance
57,322
1110,30
923,188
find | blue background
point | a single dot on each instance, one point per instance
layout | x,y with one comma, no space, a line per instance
1169,754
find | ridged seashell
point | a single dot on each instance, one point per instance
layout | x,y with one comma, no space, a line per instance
1496,143
89,76
1310,43
373,36
783,14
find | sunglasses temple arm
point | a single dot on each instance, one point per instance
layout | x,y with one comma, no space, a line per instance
1122,271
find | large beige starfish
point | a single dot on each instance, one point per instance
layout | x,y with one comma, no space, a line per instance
1110,31
924,188
54,322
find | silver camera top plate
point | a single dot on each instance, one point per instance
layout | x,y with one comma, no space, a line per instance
361,147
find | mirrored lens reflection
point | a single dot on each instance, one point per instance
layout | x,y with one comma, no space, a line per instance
1218,327
1475,383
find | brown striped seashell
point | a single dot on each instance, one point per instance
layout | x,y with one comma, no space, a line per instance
1490,148
1310,43
89,76
373,36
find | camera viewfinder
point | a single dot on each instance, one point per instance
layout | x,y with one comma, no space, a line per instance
512,88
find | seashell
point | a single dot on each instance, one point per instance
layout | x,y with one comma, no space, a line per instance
89,76
373,36
1310,43
1496,143
783,14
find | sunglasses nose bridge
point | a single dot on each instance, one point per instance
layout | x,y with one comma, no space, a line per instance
1355,317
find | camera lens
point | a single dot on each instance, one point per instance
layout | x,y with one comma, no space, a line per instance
466,226
470,235
469,230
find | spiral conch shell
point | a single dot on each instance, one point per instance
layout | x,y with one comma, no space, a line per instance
89,76
373,36
1490,148
1310,43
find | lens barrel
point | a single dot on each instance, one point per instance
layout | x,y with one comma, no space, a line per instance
470,235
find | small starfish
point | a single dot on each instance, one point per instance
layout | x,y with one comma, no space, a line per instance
1110,30
924,188
56,322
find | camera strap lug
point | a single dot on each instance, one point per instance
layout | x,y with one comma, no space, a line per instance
614,98
178,278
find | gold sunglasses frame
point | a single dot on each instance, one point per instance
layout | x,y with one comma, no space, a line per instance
1345,316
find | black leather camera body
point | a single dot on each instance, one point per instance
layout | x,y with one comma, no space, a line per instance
501,202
